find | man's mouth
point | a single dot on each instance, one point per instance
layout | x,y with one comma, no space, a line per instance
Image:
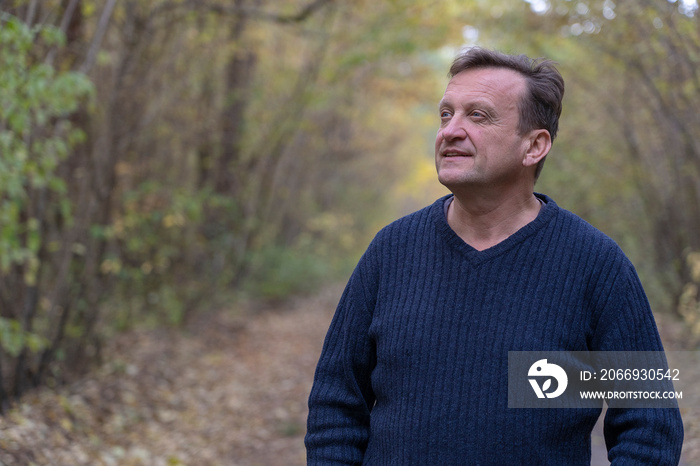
455,154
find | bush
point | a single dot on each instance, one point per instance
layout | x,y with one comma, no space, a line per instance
277,272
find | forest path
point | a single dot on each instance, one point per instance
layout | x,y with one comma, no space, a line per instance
231,390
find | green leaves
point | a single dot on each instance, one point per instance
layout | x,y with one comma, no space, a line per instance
35,135
13,339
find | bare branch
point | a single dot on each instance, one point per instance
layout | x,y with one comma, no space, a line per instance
307,11
65,22
67,15
99,35
31,12
253,13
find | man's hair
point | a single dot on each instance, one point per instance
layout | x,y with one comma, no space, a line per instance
541,106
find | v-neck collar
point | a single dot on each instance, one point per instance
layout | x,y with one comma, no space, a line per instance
476,257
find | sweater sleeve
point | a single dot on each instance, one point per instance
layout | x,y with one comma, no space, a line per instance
341,397
640,435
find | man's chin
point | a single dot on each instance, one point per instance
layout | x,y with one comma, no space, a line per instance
454,181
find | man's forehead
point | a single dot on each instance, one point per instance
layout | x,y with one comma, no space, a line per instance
489,82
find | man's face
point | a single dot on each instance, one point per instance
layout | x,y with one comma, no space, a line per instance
479,142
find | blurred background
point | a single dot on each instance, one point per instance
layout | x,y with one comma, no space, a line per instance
160,159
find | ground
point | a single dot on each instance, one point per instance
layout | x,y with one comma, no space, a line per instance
230,390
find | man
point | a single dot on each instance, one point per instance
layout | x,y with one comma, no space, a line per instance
414,366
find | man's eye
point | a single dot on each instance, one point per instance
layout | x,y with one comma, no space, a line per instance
478,114
445,114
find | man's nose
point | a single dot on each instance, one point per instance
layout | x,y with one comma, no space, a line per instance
454,130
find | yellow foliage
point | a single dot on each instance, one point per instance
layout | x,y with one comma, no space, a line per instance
694,266
689,302
174,220
146,267
112,266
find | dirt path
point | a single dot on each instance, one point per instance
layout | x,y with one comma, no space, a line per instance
228,393
231,391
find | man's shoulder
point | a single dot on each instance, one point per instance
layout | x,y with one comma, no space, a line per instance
581,234
408,233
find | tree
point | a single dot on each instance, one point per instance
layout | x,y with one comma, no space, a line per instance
226,145
36,135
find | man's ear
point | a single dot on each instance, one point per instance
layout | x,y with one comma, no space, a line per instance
540,142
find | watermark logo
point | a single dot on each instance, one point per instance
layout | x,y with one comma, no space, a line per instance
590,379
545,371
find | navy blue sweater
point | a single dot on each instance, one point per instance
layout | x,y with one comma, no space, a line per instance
414,366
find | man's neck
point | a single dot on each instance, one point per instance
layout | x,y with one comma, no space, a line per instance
484,222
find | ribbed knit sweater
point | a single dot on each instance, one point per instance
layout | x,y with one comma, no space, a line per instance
414,367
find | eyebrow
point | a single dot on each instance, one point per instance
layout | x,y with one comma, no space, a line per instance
479,103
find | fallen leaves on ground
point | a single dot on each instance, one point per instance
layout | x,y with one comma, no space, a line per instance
231,390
